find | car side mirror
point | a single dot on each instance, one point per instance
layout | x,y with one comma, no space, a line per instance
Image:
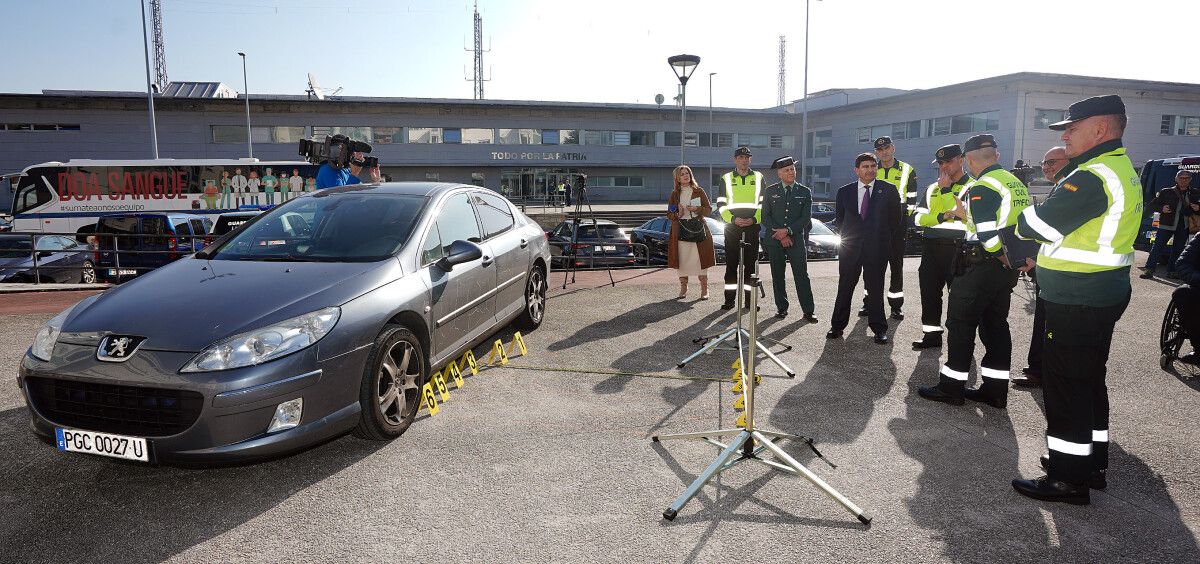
460,252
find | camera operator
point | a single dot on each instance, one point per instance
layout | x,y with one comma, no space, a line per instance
329,176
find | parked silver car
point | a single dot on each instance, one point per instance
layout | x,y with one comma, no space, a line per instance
322,316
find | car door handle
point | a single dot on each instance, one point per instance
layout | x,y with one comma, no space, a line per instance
487,261
524,243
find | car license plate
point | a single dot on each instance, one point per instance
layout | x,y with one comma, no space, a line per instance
103,444
124,272
608,247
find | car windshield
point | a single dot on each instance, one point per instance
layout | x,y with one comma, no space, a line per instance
349,226
819,228
606,232
14,247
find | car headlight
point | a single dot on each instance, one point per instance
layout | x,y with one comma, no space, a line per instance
43,342
265,344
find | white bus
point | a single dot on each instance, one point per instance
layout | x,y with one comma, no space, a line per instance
68,197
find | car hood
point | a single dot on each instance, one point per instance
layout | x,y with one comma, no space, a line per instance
192,303
826,240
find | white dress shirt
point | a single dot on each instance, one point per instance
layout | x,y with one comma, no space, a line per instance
864,191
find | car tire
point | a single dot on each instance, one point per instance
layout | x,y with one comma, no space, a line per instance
390,394
87,274
535,300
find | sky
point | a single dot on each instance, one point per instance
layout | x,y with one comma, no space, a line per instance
597,51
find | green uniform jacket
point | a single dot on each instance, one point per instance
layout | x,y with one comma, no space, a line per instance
930,213
993,202
789,208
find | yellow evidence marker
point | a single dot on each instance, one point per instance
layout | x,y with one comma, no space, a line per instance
468,359
741,420
453,371
498,352
740,403
440,383
518,343
428,399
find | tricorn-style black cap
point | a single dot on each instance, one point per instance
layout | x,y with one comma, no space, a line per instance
946,153
1108,105
883,142
782,162
742,151
979,142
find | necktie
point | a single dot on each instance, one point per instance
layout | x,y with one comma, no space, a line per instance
862,210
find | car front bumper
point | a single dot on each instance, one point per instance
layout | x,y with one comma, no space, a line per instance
236,407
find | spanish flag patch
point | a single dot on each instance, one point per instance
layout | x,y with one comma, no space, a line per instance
974,198
1069,186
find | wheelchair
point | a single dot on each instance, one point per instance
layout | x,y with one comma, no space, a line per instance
1171,337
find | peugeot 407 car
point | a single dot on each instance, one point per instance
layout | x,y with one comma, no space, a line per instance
320,317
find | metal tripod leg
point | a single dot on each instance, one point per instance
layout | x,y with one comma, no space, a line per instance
713,469
787,369
811,477
697,435
710,346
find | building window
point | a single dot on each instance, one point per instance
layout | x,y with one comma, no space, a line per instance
387,135
356,133
723,139
1043,118
863,134
754,140
1180,125
616,181
906,130
820,144
817,178
783,141
519,136
424,135
39,126
597,137
642,138
940,126
478,136
568,137
550,136
263,134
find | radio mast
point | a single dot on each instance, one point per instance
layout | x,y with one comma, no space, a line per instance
160,46
782,69
479,51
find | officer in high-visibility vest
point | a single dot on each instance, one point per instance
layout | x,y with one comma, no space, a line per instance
901,175
1087,228
741,209
941,235
981,292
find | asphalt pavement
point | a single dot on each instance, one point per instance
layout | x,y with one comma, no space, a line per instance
552,463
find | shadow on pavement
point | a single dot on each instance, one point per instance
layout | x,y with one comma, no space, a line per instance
60,507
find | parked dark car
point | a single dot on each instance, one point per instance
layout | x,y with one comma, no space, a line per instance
599,243
656,235
145,241
58,259
825,212
266,343
5,224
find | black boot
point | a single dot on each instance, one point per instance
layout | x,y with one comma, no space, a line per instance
948,390
1098,480
1048,489
993,392
928,341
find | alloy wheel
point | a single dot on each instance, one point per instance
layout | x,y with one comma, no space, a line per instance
535,299
397,382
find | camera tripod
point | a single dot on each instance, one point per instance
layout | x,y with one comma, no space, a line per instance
581,198
738,330
745,439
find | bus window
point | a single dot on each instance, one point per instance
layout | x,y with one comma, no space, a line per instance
31,194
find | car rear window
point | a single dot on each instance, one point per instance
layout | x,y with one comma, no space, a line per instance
348,226
606,231
15,247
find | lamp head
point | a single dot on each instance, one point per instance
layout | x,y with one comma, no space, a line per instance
684,66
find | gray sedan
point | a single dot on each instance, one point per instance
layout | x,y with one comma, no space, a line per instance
322,316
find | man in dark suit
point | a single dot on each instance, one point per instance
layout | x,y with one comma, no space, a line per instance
868,216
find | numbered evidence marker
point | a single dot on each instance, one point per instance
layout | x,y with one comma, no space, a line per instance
428,399
453,371
737,388
468,359
741,420
440,383
498,353
740,403
518,342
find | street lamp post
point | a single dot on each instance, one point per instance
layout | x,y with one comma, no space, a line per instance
683,66
711,141
804,105
149,89
246,93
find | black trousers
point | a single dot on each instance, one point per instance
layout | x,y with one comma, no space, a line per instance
935,274
1078,339
979,300
1037,342
848,275
1187,299
748,255
895,289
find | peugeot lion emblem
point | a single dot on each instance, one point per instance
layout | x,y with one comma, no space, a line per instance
118,348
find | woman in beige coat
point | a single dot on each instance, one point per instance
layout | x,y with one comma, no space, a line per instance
688,200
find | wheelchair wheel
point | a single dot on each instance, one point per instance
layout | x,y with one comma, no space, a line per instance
1171,338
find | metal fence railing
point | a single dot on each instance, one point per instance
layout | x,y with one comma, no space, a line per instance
113,257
